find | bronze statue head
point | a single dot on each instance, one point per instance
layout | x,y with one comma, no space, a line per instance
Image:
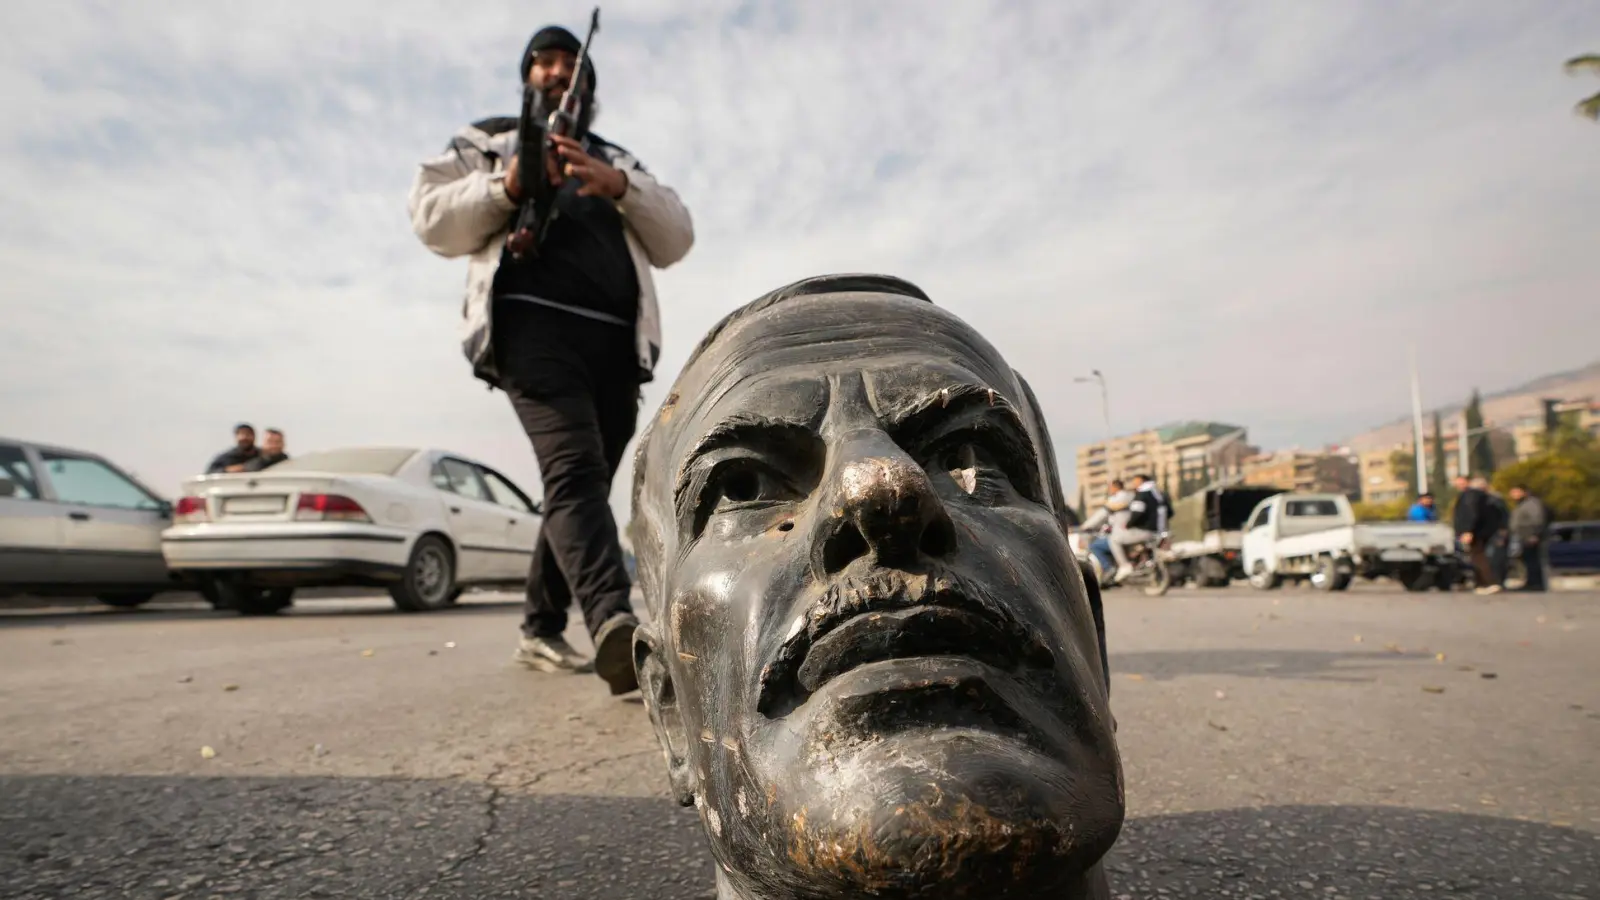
872,659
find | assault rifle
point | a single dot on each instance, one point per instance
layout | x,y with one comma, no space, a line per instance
571,119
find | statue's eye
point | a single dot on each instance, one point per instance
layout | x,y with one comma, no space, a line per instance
742,483
961,463
972,467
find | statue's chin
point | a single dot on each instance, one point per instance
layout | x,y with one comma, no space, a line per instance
902,815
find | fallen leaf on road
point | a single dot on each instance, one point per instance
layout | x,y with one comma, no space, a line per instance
1433,689
367,652
1134,676
207,753
1439,657
230,687
1488,675
186,679
1358,638
1221,695
319,750
449,645
1216,726
433,653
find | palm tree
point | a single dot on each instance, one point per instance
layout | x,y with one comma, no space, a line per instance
1589,62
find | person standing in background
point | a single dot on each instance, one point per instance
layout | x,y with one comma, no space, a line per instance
1530,525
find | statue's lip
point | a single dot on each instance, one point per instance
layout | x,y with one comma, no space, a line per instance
915,631
945,623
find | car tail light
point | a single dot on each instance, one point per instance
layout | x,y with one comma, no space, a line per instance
189,510
329,508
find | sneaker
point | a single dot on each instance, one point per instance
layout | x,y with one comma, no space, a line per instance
1122,574
550,654
613,653
1491,589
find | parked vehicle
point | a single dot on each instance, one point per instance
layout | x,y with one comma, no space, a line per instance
425,524
1315,537
1574,548
73,523
1207,531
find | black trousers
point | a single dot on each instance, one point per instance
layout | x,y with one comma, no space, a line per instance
1533,562
575,387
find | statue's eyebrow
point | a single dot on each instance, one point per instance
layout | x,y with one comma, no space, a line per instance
745,428
933,410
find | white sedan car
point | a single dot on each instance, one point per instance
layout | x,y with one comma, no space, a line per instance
423,523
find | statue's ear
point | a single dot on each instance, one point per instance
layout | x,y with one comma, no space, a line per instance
661,702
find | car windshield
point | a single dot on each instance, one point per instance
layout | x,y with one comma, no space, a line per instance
358,461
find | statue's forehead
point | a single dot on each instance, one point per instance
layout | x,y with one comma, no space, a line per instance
902,341
779,363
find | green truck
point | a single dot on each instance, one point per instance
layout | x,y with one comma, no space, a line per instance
1207,534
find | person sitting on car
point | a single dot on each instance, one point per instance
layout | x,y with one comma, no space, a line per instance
244,450
271,454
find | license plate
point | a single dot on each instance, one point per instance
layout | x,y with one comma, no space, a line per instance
1402,555
253,505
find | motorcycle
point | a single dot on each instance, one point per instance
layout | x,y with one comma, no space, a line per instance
1149,573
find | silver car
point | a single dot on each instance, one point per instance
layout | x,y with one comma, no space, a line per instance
72,523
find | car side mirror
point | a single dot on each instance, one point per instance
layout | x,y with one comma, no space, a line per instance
164,508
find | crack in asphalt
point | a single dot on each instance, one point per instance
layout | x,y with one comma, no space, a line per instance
497,795
480,844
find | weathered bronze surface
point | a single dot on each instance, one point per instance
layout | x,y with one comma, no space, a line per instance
872,660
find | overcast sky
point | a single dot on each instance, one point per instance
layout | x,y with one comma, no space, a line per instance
1237,211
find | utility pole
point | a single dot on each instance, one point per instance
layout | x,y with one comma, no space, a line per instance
1416,426
1105,412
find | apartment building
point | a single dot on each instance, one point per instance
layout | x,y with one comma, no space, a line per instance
1182,457
1328,471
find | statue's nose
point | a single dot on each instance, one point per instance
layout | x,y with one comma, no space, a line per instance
884,505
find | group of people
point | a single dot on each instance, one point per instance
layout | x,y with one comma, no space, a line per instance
1491,531
246,455
1127,518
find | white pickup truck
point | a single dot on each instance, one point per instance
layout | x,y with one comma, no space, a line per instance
1316,537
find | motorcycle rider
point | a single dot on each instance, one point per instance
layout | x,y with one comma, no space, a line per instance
1110,518
1147,522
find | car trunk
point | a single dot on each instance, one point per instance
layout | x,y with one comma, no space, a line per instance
258,498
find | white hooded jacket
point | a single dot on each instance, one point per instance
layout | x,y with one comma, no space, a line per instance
459,207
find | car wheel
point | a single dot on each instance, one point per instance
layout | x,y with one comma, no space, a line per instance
430,579
1160,579
1414,578
125,601
1213,573
1263,580
1326,575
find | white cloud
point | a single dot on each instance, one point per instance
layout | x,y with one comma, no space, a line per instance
1237,211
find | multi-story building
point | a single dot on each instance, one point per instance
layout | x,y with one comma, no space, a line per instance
1527,434
1381,483
1325,472
1182,457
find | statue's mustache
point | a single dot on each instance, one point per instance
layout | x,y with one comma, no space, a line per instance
852,595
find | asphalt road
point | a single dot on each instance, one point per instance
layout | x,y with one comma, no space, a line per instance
1372,744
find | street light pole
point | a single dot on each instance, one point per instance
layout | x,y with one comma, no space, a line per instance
1416,427
1105,410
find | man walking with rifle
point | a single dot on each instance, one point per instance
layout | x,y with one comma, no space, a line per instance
561,229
